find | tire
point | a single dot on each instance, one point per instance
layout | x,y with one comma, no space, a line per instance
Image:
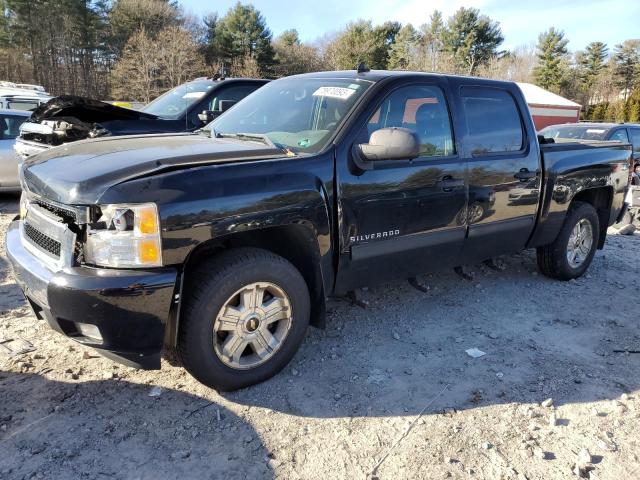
553,259
221,282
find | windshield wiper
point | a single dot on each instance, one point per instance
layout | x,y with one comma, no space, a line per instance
249,137
259,137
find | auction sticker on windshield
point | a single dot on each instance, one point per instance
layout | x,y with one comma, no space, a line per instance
334,92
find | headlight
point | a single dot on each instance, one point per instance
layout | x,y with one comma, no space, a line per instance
125,236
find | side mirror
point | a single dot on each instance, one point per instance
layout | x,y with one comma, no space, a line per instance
391,144
207,116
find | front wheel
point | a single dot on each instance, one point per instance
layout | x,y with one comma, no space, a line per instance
571,253
245,315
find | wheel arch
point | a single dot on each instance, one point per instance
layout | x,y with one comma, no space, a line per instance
297,243
599,198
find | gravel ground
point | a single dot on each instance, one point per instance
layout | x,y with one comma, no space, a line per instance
387,391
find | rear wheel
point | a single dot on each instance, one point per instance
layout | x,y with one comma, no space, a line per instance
571,253
244,318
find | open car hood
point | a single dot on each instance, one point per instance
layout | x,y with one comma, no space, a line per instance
86,110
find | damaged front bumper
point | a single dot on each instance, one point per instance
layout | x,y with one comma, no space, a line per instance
120,313
26,148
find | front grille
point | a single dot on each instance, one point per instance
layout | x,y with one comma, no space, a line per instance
43,241
66,213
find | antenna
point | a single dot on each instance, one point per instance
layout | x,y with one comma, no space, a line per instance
362,68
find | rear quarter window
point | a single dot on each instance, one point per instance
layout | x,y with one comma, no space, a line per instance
493,121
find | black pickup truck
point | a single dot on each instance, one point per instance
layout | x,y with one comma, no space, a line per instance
224,244
185,108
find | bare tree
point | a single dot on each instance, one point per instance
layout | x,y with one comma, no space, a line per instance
135,76
179,58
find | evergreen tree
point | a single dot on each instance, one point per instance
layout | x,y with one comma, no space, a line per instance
128,16
362,42
626,59
243,32
471,39
289,38
592,63
551,67
402,50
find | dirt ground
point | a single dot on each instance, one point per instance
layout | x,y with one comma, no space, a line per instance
387,391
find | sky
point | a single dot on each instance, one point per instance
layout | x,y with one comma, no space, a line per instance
583,21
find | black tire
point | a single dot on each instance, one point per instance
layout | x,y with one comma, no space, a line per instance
552,258
207,290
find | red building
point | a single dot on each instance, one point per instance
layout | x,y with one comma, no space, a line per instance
548,108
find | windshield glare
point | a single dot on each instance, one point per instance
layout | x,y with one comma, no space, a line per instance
582,132
172,104
300,114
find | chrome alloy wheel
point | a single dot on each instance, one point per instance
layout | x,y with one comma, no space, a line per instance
252,325
580,243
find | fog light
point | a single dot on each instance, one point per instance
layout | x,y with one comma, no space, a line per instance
90,331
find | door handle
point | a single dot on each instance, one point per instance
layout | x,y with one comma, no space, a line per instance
524,174
448,183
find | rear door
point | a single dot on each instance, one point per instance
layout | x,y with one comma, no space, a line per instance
401,217
503,164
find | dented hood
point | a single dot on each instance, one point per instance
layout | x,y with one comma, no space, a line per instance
80,172
86,110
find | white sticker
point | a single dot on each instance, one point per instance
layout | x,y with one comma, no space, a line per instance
334,92
193,94
594,130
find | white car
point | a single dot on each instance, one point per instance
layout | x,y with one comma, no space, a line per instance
14,96
10,121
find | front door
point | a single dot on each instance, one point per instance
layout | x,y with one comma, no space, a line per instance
402,217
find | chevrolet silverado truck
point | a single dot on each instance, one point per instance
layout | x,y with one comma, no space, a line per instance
223,245
185,108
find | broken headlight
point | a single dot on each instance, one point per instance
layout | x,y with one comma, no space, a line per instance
125,236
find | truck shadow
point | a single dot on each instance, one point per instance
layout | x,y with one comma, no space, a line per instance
541,338
114,429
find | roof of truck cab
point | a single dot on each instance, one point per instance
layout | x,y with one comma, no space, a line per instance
601,125
377,75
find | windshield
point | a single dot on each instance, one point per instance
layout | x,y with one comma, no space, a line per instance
582,132
175,102
300,114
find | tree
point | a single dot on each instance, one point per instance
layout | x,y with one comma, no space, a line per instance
135,75
294,57
590,64
243,32
471,39
432,43
289,38
179,58
626,59
552,52
402,51
362,42
150,66
127,17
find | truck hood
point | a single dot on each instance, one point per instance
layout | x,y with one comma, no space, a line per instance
79,173
86,110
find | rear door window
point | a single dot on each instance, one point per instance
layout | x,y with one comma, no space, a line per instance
493,121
